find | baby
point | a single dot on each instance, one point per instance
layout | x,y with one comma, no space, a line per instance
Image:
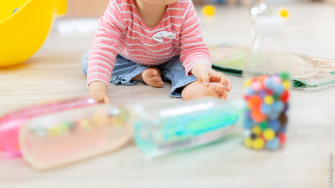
152,41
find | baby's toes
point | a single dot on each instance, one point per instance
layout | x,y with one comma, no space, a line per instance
219,89
156,81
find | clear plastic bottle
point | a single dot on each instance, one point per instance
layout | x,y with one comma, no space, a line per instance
68,136
266,86
171,128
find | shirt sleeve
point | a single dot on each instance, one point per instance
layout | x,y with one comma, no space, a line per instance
193,48
105,45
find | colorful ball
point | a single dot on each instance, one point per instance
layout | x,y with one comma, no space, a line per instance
273,144
249,91
266,109
256,130
254,102
283,119
256,86
258,144
278,106
286,107
248,142
262,94
274,125
285,96
263,125
286,84
283,129
268,99
269,134
269,83
257,115
247,82
273,115
285,76
283,12
248,123
208,10
279,89
276,79
282,138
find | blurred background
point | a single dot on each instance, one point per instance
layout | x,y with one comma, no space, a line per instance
85,8
309,29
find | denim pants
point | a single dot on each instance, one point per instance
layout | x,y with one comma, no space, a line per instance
125,70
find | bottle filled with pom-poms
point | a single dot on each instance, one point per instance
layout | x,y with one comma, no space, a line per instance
266,86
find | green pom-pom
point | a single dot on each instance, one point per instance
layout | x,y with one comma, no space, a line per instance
263,125
285,76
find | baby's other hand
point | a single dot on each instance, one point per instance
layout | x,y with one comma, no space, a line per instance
206,74
98,90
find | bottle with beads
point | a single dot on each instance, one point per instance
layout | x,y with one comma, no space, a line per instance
266,86
172,128
64,137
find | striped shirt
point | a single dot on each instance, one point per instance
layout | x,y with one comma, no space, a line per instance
121,30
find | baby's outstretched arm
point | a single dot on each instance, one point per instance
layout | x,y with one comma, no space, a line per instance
206,74
98,90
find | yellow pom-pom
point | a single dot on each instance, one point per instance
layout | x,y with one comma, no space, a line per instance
258,144
208,10
268,99
283,12
286,85
257,130
247,82
248,142
269,134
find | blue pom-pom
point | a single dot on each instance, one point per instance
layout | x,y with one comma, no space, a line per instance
248,123
278,106
269,83
273,144
273,115
278,89
274,125
283,129
266,109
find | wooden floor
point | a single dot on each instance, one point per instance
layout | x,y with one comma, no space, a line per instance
54,73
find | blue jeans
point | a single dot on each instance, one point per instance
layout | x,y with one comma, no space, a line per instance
125,70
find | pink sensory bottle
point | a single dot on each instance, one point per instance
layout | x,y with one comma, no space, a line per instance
69,136
266,86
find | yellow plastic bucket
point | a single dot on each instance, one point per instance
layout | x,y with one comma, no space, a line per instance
24,26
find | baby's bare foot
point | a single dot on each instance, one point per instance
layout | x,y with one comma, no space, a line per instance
199,90
151,76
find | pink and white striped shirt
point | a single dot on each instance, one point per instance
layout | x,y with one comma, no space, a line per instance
122,31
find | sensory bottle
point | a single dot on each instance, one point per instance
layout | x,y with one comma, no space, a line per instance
11,122
68,136
171,128
266,86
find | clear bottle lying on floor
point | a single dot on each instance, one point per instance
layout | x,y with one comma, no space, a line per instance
65,137
176,127
69,136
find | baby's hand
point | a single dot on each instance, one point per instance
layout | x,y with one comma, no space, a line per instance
98,90
206,74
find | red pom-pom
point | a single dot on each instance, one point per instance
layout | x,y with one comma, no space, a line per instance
285,96
282,138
